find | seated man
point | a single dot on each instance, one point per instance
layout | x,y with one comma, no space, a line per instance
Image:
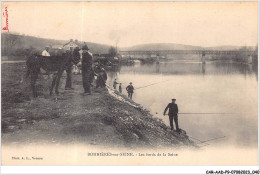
46,52
101,78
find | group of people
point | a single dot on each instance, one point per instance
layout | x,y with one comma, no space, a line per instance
172,107
87,70
115,84
129,88
88,73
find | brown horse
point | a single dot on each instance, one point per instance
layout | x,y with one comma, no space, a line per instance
50,64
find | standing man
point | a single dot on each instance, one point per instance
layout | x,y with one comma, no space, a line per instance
46,53
114,84
130,90
173,114
86,69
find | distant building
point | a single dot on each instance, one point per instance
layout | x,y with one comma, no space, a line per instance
71,45
56,47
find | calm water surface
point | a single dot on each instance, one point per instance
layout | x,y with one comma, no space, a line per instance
215,87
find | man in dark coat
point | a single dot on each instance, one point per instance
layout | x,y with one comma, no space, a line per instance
68,85
74,55
101,78
173,114
130,90
86,69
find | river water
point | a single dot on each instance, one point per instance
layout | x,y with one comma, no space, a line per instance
216,87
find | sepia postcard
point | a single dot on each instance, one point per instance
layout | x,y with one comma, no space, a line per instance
129,83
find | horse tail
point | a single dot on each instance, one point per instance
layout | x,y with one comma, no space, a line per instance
28,67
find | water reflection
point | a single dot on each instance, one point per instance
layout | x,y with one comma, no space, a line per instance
223,87
184,68
203,69
157,67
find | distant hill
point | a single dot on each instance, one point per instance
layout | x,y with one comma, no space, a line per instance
12,43
173,46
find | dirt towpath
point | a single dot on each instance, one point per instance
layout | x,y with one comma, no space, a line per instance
75,117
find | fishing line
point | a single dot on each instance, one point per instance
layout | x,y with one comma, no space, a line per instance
205,142
205,113
150,85
209,113
195,139
213,139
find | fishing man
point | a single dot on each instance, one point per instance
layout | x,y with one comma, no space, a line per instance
173,114
114,84
130,90
86,69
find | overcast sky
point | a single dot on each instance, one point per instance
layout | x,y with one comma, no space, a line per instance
131,23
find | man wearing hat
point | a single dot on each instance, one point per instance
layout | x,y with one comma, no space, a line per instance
46,53
115,83
130,90
173,114
86,68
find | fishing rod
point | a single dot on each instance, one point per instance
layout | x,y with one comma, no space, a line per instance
205,142
188,113
213,139
200,142
201,113
150,84
195,139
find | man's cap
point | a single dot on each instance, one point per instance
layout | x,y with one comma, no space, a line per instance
174,99
85,47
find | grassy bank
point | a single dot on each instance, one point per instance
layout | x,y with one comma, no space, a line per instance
103,118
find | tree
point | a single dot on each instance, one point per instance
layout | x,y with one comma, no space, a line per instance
112,51
9,41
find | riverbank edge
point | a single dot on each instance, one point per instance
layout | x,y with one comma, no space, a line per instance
182,137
